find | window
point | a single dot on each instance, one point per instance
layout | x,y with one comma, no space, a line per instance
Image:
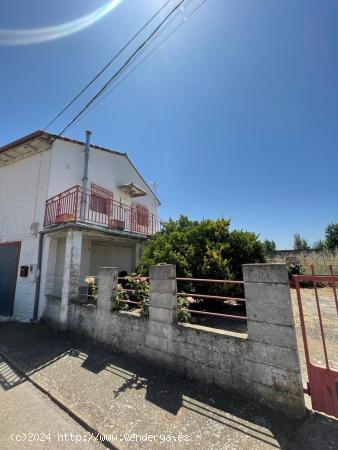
101,199
142,214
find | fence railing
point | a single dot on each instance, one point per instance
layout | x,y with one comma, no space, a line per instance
211,298
123,293
122,290
80,205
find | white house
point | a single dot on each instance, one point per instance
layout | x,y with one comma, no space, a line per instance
66,209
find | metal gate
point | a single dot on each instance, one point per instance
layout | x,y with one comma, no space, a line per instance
9,259
318,313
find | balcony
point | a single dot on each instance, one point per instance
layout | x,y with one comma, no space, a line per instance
89,207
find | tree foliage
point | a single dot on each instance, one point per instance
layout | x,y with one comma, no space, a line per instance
319,245
202,249
269,248
299,243
331,236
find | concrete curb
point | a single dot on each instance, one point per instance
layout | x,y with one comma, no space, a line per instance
99,437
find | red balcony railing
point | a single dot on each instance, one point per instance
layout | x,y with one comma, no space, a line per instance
77,205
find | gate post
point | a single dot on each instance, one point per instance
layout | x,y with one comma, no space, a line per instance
272,338
107,283
162,312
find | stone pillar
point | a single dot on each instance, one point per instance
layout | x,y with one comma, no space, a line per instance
106,287
71,273
272,338
47,272
107,283
162,310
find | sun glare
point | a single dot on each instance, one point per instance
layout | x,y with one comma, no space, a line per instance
45,34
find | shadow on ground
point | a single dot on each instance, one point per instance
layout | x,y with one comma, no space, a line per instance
106,389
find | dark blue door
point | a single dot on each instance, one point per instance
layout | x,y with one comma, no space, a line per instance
9,258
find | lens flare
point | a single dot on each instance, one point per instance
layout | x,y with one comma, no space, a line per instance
46,34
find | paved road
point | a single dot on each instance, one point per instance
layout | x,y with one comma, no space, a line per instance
124,397
24,410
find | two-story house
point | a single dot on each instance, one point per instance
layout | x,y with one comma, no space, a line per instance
67,208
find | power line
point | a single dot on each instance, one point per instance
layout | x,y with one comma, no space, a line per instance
142,60
139,48
109,63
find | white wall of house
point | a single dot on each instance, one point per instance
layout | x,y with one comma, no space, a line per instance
23,192
112,256
106,169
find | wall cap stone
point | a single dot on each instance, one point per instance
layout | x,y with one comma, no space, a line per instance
265,273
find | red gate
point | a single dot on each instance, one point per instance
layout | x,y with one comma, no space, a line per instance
323,375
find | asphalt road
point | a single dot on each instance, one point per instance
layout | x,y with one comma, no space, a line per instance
29,419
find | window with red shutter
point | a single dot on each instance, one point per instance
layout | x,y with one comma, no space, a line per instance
142,215
101,199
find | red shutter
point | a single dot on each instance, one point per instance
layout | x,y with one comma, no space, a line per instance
142,215
101,200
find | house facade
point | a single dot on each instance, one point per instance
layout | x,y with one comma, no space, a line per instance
65,211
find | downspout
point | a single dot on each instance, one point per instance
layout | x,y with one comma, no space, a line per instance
85,175
38,278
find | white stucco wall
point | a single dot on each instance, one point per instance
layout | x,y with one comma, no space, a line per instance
23,192
111,256
106,169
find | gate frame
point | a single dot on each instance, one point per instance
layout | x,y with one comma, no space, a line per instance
323,381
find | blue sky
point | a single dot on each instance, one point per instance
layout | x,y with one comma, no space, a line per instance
236,115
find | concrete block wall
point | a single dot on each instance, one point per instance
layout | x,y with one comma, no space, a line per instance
263,364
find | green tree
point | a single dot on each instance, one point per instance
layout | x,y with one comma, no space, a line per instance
331,236
202,249
269,248
319,245
300,243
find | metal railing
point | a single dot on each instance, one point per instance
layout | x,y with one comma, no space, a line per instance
123,293
209,297
121,290
78,205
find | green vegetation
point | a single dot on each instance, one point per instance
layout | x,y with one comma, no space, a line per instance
329,243
183,303
140,293
269,248
319,245
202,249
299,243
331,237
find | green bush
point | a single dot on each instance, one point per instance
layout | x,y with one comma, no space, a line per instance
140,288
295,269
183,316
117,303
202,249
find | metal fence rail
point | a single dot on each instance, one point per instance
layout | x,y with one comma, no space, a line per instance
209,297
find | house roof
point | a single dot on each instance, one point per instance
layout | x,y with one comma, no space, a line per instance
39,134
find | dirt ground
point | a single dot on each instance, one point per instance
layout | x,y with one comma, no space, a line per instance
330,326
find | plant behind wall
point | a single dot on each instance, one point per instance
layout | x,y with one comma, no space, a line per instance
203,249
